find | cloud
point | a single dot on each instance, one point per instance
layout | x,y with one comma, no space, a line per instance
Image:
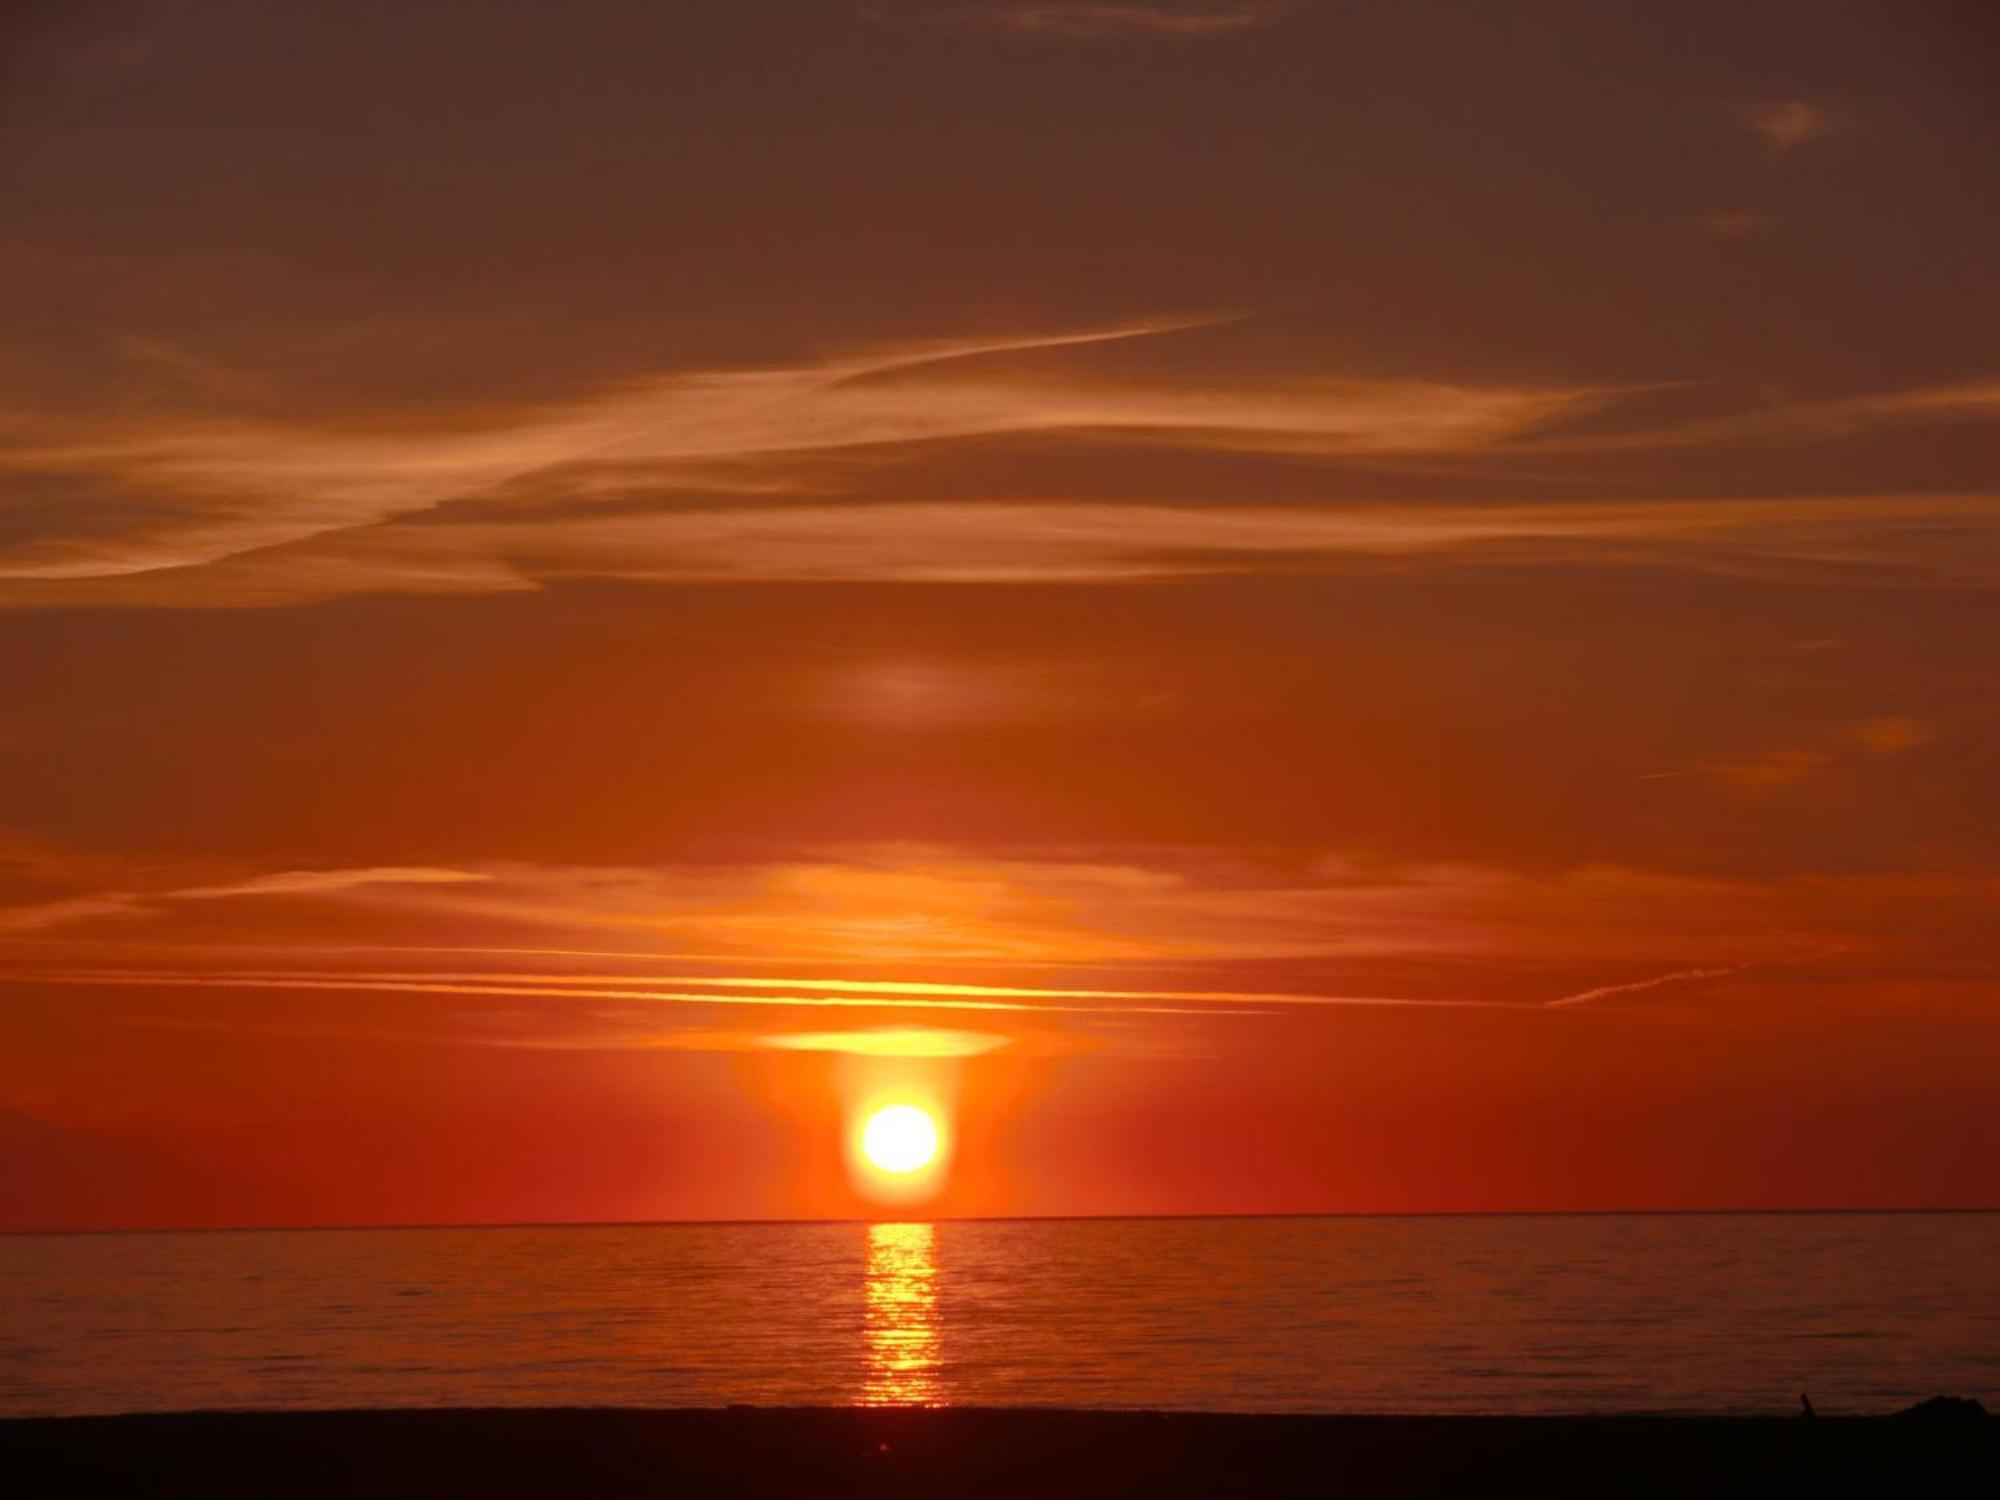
194,375
784,994
1094,20
923,928
1735,223
1784,125
1877,739
39,916
890,1041
1965,400
1780,419
1889,736
326,882
806,472
899,906
1640,986
909,952
600,1028
1912,538
203,492
1770,771
641,1028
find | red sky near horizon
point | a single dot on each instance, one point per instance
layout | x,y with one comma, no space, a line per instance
1274,607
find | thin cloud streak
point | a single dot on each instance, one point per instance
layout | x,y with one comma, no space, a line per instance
327,882
1639,986
946,926
769,992
41,916
1917,538
1776,420
1095,20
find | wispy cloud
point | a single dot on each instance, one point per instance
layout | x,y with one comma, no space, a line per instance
1890,736
630,1029
214,491
1776,418
1091,20
1640,986
1769,771
781,474
326,882
1877,739
908,928
890,1041
800,994
39,916
907,952
1782,126
1913,537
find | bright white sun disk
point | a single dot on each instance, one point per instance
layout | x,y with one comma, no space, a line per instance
899,1138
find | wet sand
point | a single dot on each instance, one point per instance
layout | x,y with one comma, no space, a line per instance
961,1454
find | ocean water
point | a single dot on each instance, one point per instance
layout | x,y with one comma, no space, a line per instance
1706,1313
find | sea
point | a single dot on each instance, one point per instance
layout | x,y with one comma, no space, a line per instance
1723,1313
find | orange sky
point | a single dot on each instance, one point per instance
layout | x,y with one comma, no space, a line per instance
1274,606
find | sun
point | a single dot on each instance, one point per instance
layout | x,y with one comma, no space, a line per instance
900,1138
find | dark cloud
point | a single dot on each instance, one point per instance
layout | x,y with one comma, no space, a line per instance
1091,20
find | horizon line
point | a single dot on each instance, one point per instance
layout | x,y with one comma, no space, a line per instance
381,1227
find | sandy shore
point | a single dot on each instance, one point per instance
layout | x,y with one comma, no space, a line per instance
960,1454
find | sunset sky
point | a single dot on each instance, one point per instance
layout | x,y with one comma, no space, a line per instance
1271,606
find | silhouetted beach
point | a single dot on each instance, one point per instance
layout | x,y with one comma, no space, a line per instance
967,1453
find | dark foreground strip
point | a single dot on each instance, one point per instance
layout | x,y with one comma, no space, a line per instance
966,1454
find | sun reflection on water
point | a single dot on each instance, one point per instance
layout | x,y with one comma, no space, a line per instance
900,1317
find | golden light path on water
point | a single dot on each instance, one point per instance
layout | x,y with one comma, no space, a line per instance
900,1317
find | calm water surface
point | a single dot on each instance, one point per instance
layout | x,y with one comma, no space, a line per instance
1585,1314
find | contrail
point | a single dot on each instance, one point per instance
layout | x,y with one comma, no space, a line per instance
1605,991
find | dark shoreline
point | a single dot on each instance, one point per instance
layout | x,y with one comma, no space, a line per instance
961,1453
